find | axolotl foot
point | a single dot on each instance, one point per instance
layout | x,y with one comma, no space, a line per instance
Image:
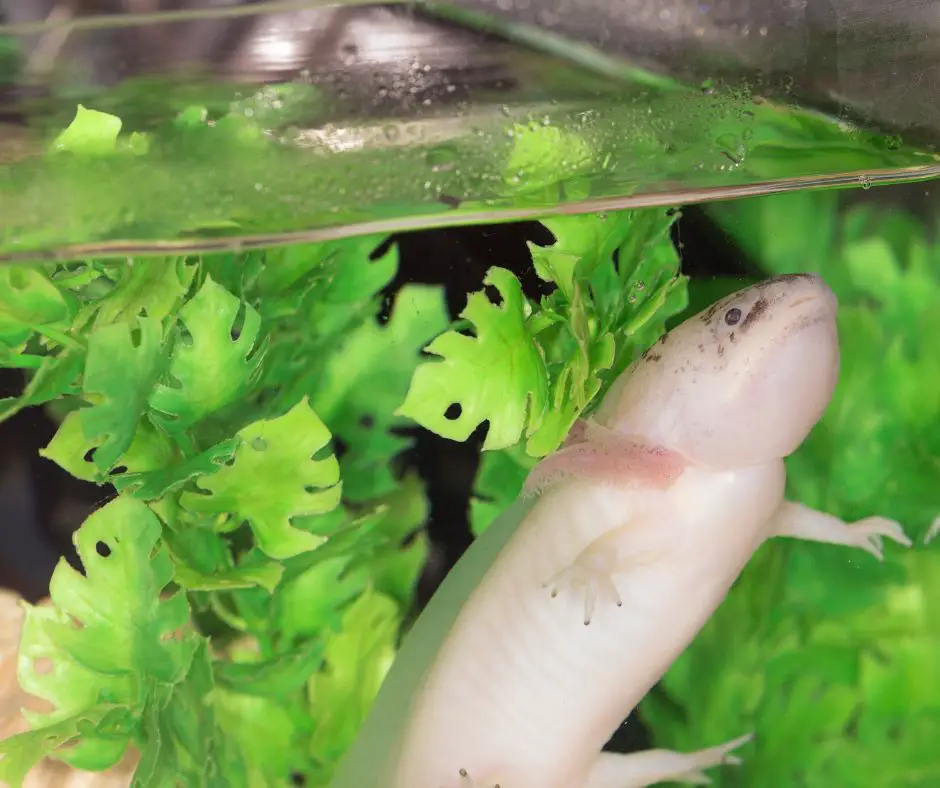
593,570
595,582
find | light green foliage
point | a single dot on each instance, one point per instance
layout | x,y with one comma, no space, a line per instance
273,478
831,657
108,646
530,370
91,132
155,287
94,133
497,376
29,302
541,156
123,364
210,365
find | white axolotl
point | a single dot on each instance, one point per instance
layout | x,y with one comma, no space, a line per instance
637,528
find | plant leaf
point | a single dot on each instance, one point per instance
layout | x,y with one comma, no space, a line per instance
122,366
498,376
214,369
273,479
56,377
90,133
28,303
149,485
147,286
105,645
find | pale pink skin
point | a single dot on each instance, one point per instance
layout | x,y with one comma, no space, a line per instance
572,605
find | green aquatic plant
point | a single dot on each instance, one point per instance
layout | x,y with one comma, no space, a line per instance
245,588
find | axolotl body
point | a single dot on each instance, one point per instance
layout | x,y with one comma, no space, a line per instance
575,602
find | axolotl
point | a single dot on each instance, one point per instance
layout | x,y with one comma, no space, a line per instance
578,598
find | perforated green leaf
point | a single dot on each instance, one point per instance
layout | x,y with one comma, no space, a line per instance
273,479
123,364
497,376
108,640
71,450
148,286
210,367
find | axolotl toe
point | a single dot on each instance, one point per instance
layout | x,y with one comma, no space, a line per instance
577,600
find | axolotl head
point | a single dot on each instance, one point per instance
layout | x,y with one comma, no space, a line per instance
741,383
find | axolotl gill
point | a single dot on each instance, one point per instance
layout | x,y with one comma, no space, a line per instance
576,600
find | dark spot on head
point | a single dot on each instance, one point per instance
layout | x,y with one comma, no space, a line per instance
759,308
453,411
733,316
102,549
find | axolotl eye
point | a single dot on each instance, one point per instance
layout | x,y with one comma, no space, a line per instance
733,316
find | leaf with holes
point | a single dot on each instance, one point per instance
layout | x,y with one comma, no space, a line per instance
364,381
98,653
215,365
29,302
73,452
273,479
151,287
122,367
498,376
149,484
